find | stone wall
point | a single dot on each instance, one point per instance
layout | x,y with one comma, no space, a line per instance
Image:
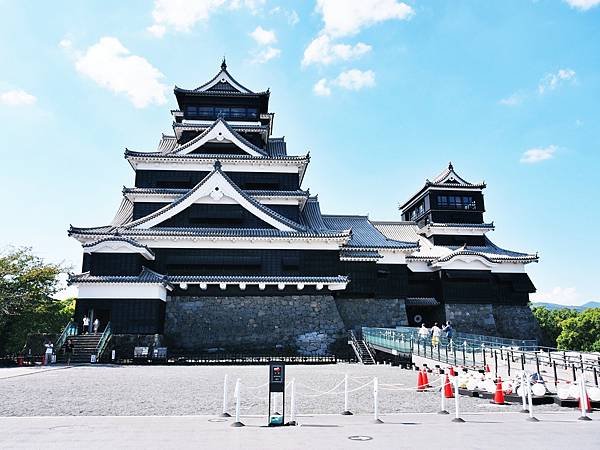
372,312
509,321
517,322
471,318
305,324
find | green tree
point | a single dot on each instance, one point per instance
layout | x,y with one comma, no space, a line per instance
27,287
550,321
581,332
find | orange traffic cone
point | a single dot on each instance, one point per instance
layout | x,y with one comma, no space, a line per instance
420,384
588,406
448,388
425,379
499,395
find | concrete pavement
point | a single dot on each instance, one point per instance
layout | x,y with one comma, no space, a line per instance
481,430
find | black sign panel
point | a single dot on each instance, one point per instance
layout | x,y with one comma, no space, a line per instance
276,377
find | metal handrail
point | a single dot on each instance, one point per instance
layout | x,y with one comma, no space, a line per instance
355,347
70,330
103,341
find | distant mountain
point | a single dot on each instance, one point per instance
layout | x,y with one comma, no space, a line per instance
577,308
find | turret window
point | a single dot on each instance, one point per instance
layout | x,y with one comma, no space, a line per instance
209,112
456,202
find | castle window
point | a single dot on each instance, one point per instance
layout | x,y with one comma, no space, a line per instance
456,202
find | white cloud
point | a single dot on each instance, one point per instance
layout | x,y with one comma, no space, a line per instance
113,67
348,17
182,15
558,295
265,55
322,51
582,5
352,80
322,88
263,37
536,155
551,81
157,30
292,16
65,44
512,100
355,79
17,97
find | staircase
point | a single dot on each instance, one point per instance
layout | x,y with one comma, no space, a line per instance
361,350
85,346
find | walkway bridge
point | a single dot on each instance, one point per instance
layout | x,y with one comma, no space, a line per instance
501,355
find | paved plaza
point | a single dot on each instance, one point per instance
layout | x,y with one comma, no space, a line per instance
178,407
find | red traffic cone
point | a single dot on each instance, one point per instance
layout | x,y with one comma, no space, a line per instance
487,368
420,383
452,372
448,388
499,395
425,379
588,406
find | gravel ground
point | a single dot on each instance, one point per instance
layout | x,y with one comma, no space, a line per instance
191,390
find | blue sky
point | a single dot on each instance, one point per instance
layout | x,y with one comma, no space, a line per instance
382,93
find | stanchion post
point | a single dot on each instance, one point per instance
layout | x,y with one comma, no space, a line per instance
292,402
496,364
236,393
537,362
508,364
524,392
457,417
531,418
555,374
443,397
224,413
583,400
595,376
346,411
376,418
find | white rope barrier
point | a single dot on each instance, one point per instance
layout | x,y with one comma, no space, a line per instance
329,392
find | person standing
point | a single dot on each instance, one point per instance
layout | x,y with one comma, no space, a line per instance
48,355
69,348
96,325
86,324
449,331
436,332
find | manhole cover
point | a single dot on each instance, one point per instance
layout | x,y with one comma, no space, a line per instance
360,438
217,420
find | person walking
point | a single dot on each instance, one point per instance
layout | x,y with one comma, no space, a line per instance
86,324
423,332
436,332
96,325
69,348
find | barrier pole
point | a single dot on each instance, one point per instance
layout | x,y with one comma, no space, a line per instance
293,403
531,418
457,418
236,393
376,418
524,393
443,401
583,400
346,411
224,412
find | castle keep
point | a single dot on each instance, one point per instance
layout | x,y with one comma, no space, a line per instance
217,244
